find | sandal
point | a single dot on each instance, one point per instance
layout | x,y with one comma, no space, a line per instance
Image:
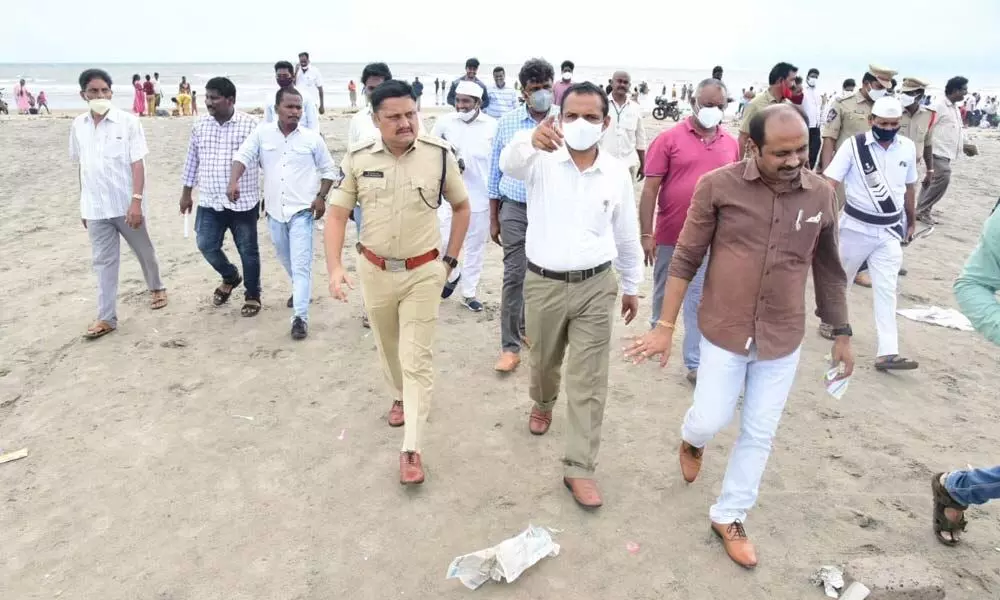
159,299
251,306
98,329
943,500
220,296
895,362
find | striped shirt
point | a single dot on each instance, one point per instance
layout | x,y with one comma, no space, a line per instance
210,159
500,184
105,153
502,101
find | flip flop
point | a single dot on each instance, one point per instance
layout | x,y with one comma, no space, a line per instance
896,363
219,297
251,306
943,500
98,329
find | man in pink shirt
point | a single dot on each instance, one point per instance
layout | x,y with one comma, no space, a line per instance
566,80
675,161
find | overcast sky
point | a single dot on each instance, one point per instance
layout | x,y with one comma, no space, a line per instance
915,35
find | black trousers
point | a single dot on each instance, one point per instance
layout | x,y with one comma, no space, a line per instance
815,140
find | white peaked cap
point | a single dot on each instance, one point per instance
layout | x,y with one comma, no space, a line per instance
887,107
469,88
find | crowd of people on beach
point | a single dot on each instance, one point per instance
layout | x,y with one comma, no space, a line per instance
547,169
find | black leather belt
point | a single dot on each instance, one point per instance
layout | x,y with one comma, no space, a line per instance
569,276
870,218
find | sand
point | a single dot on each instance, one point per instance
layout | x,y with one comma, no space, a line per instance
197,455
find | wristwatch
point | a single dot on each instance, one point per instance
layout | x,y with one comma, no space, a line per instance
843,330
137,197
451,261
321,196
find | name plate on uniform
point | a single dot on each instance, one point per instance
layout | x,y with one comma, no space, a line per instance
375,174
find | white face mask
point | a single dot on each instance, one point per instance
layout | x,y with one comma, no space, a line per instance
582,134
811,81
906,99
875,94
470,116
567,76
709,116
100,106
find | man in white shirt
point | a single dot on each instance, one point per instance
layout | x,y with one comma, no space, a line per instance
470,132
309,81
110,146
284,74
157,90
949,142
215,138
879,173
812,103
625,138
298,173
582,215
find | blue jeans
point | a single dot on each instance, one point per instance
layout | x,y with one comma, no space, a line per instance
977,486
210,230
293,242
692,336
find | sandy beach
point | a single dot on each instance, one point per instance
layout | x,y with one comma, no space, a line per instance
198,455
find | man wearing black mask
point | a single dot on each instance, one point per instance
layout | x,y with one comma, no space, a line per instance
284,74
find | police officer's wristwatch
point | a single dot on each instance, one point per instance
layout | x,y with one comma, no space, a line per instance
451,261
843,330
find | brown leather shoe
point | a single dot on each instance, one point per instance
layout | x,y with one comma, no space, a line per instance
690,461
584,491
411,470
396,416
863,279
539,421
737,544
508,362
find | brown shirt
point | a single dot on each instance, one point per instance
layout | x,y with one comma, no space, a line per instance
760,243
396,194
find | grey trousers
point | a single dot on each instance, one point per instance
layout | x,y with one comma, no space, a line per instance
104,236
513,227
932,194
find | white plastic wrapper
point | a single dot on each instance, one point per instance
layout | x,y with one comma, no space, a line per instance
505,561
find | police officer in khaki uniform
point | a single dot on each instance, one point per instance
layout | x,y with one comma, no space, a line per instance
398,180
916,123
848,117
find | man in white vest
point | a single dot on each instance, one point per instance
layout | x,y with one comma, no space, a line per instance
879,171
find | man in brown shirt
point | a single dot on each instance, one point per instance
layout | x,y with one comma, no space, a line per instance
763,223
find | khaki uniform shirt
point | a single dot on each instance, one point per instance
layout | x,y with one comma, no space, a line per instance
918,129
391,191
760,101
847,118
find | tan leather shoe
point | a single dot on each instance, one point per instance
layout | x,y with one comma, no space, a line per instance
396,416
411,470
508,362
539,421
690,461
737,544
863,279
584,491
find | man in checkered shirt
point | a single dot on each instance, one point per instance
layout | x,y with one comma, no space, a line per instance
215,138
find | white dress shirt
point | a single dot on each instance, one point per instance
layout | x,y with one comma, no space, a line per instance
363,128
308,81
812,103
949,138
625,134
310,114
577,220
293,166
898,163
473,143
105,154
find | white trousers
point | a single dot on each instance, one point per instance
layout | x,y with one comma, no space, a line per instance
473,250
765,385
885,256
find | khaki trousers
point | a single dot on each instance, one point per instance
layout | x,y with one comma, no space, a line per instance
577,317
403,309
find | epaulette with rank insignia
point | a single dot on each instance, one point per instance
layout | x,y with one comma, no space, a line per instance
434,141
361,145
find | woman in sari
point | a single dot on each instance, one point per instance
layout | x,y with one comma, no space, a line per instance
139,99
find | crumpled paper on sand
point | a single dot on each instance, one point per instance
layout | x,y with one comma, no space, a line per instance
505,561
935,315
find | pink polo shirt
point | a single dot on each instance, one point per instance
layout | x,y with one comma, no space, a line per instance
680,157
